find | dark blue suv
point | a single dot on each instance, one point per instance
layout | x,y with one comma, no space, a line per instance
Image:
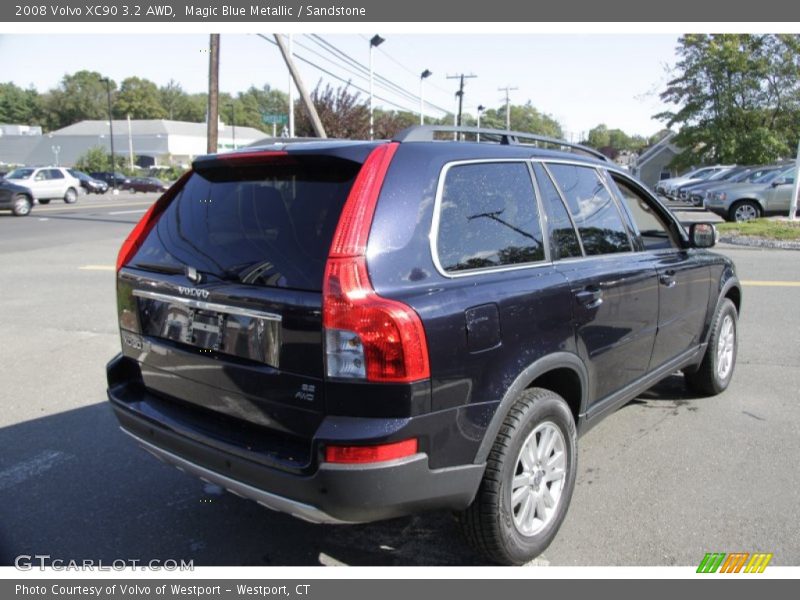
352,331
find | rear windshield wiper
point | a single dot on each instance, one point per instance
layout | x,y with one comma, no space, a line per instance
158,268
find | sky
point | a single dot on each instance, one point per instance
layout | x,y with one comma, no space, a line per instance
580,79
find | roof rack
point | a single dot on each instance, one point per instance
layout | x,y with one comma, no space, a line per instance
425,133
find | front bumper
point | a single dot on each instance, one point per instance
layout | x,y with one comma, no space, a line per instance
328,493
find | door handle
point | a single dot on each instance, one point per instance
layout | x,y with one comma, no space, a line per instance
591,296
667,278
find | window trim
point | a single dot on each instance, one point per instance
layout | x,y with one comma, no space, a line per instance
437,205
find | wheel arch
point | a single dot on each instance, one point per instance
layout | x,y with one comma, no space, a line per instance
562,372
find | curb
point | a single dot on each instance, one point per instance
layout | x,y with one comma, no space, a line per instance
757,242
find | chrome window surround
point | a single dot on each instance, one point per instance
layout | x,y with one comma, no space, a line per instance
600,169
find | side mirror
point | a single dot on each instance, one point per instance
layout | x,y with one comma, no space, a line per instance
702,235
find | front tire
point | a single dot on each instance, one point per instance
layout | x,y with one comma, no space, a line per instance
21,207
746,210
528,483
715,372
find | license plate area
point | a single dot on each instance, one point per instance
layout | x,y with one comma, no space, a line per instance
242,332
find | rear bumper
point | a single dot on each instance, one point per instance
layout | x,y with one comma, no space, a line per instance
328,493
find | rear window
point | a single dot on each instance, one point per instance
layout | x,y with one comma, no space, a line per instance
266,225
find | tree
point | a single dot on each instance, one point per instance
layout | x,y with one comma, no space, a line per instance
18,105
140,99
95,159
343,114
737,98
79,96
524,117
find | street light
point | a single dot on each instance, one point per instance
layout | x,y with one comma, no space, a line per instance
373,43
481,108
111,134
422,77
56,149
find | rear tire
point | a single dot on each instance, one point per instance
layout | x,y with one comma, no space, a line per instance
21,206
528,483
715,372
71,196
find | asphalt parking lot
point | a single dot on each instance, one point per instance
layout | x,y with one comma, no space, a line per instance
666,479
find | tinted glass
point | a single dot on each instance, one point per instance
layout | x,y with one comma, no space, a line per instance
20,174
261,225
54,174
488,217
563,238
654,233
593,210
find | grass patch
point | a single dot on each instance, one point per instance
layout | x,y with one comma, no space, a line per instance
763,228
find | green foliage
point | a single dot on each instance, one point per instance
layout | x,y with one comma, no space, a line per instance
737,98
19,106
95,159
79,96
139,98
524,117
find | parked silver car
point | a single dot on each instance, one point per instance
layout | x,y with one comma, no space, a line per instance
745,202
47,183
668,187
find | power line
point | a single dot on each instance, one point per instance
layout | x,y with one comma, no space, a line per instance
396,88
334,76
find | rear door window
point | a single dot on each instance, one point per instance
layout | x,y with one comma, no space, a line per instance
593,209
268,225
563,238
488,217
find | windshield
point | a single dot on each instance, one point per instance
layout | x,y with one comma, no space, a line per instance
723,175
20,174
768,177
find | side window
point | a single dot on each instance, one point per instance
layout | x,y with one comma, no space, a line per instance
593,209
653,231
488,217
41,175
54,174
563,238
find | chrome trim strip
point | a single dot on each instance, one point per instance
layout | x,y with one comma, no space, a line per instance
213,306
264,498
437,203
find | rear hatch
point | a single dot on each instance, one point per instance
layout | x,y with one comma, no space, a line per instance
221,304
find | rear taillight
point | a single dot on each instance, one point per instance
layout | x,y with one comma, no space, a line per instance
137,236
370,454
367,337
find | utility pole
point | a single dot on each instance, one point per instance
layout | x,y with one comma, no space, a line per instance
508,89
291,95
373,43
130,142
213,94
316,122
480,109
111,135
460,93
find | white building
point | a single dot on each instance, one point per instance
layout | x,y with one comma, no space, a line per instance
152,142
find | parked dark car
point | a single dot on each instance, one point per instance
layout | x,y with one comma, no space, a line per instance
16,198
146,184
88,183
118,180
351,331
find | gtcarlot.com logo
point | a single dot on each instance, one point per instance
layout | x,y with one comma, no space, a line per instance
735,562
27,562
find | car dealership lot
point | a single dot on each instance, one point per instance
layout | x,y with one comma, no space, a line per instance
664,480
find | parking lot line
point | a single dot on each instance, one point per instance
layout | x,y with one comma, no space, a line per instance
772,283
97,268
128,212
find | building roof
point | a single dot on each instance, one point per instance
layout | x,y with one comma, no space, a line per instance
152,127
664,143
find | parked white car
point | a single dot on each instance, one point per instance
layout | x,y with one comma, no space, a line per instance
668,187
47,183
